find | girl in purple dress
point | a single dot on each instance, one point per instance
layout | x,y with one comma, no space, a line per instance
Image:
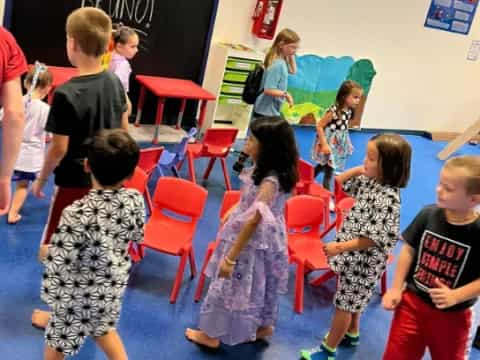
249,269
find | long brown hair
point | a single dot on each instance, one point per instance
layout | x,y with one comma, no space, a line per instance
284,37
394,157
345,90
278,151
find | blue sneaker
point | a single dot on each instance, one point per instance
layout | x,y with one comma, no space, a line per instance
318,353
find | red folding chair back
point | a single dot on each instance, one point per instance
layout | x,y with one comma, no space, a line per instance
215,145
304,215
138,181
306,176
149,158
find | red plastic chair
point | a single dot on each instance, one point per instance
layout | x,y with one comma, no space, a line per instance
148,162
306,176
139,182
230,198
173,233
338,192
304,215
317,190
215,145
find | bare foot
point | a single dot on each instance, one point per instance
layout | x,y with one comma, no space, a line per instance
13,218
264,332
40,318
200,338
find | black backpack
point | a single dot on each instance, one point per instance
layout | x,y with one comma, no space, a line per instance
252,85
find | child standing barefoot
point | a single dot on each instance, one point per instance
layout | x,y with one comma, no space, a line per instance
38,82
249,268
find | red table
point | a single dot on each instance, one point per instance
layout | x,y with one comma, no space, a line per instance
163,87
60,75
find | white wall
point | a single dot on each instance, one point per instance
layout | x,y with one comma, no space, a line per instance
423,82
2,7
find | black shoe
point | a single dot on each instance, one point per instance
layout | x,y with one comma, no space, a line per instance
238,167
240,163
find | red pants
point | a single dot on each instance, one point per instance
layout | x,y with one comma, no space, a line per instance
417,325
61,199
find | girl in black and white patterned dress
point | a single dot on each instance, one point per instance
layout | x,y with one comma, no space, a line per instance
332,145
370,231
87,262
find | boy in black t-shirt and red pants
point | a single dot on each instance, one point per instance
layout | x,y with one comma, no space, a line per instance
439,264
92,101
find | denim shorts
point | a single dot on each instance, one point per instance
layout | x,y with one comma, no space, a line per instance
23,175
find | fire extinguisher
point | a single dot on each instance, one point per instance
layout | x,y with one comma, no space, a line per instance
265,18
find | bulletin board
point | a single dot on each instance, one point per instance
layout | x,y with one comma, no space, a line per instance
451,15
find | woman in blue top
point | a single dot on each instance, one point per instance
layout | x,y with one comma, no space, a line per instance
278,63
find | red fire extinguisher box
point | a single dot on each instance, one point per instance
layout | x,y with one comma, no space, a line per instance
265,18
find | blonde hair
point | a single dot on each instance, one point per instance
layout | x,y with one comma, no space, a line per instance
91,28
284,37
471,165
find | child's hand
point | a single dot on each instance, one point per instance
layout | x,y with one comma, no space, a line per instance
42,252
226,270
392,298
443,297
289,99
332,248
37,187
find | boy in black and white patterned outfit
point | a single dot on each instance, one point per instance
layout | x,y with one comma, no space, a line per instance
87,263
369,233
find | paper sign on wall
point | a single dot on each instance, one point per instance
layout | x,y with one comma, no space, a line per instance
474,50
451,15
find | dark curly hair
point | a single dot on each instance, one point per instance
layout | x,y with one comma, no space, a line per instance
278,154
112,156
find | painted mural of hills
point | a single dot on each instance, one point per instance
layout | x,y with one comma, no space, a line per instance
317,80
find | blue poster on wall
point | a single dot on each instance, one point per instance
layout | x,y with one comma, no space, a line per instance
451,15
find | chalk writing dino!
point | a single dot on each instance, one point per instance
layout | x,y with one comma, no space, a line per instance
137,14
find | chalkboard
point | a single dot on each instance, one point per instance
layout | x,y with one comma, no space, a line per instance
174,37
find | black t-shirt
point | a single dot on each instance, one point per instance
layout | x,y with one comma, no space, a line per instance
444,251
80,108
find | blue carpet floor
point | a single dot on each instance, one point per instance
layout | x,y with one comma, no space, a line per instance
152,328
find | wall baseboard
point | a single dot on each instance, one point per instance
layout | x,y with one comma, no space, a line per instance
448,136
422,133
432,135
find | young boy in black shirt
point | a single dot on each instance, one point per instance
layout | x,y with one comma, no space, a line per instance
438,277
89,102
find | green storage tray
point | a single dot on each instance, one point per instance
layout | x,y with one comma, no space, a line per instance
230,88
235,76
241,64
230,100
